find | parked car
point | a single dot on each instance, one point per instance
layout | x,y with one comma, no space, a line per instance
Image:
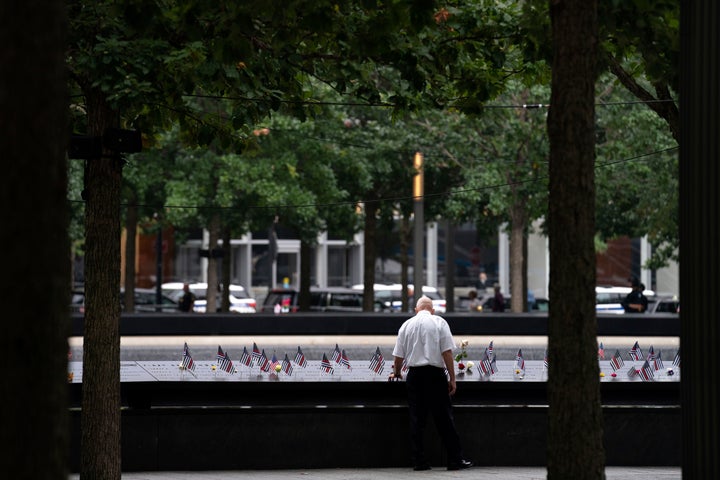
240,302
610,299
388,297
535,304
322,299
664,304
146,301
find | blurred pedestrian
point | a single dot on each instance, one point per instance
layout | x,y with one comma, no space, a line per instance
187,302
498,300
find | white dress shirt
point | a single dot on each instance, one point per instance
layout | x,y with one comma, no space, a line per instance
422,339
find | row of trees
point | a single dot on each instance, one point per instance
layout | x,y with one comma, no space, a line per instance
198,78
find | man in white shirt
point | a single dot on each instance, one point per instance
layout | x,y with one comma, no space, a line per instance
425,343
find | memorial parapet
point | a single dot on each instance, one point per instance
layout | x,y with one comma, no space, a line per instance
633,325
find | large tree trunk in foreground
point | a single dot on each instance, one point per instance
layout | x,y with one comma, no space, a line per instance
34,240
100,437
575,426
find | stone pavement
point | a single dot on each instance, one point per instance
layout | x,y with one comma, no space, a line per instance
490,473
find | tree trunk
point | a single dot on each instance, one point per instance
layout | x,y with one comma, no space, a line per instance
131,219
404,245
226,267
518,279
305,261
370,253
212,270
100,442
575,426
449,266
34,240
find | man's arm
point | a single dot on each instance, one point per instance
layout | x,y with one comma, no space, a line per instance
397,369
450,365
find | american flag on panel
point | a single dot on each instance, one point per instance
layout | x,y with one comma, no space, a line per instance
635,352
263,362
601,351
485,364
491,351
336,354
274,362
658,361
616,362
245,358
344,360
632,372
519,361
325,365
187,361
545,361
287,366
300,358
223,361
651,354
256,355
377,362
676,360
646,372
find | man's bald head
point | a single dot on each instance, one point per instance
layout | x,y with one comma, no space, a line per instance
424,303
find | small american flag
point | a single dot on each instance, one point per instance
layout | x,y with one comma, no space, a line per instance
287,366
676,360
377,362
273,363
616,362
344,360
300,358
658,361
646,372
245,358
490,351
485,364
601,351
263,362
651,354
326,366
223,361
632,372
256,355
336,354
635,352
545,361
187,361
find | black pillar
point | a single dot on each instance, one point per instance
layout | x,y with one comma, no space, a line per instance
700,236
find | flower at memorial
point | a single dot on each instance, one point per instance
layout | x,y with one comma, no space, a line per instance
469,366
213,368
278,367
463,351
670,372
602,374
613,374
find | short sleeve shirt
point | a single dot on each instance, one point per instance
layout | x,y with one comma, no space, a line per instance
422,339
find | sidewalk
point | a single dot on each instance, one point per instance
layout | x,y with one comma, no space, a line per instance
494,473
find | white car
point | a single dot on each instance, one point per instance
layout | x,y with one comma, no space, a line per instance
610,299
240,302
388,297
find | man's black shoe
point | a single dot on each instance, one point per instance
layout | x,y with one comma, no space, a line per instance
421,467
460,465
